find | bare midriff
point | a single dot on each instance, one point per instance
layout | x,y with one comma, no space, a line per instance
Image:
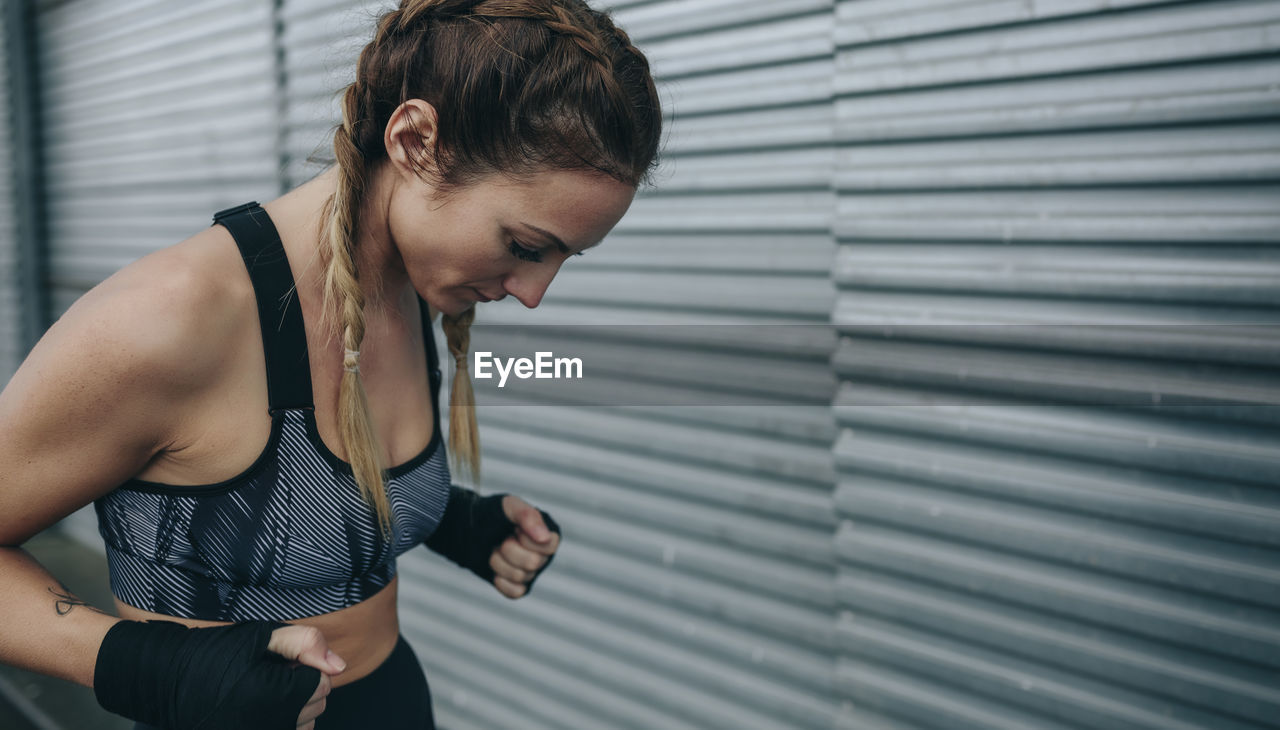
364,635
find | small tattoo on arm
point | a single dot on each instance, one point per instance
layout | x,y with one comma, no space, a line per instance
66,601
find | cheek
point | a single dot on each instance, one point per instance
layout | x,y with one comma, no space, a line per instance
463,258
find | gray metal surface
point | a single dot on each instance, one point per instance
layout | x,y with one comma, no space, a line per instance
156,114
320,41
10,304
1058,280
24,180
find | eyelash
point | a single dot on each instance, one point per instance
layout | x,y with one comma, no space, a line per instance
525,254
528,254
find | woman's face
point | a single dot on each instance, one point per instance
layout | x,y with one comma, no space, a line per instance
497,236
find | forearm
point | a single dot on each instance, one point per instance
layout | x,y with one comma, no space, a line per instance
46,629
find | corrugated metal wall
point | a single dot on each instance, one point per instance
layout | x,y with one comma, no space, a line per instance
1013,552
1024,220
320,41
11,348
156,113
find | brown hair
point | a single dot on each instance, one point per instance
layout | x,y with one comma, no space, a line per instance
518,86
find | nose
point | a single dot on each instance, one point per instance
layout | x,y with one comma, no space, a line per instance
529,284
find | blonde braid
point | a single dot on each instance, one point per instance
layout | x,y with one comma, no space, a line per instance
464,434
343,295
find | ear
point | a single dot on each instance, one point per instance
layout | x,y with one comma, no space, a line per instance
410,138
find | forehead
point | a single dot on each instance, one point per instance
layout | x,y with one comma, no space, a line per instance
580,207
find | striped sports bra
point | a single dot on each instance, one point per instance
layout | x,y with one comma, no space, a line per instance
290,536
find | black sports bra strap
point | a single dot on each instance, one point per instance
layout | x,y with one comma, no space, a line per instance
284,337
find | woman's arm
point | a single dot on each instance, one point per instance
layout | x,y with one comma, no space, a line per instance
100,395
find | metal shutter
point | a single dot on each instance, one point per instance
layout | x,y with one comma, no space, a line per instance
1058,282
11,348
320,42
155,115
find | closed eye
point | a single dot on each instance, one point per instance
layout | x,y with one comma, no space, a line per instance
525,254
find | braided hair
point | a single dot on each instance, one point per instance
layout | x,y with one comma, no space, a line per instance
519,86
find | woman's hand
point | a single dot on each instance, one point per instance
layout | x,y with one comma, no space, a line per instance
500,538
528,550
306,645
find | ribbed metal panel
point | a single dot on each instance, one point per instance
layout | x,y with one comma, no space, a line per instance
1058,280
694,586
321,40
10,315
156,114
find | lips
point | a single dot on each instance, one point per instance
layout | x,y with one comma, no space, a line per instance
482,297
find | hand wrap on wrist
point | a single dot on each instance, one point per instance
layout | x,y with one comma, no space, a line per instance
165,674
472,527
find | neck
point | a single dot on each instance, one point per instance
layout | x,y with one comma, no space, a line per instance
299,217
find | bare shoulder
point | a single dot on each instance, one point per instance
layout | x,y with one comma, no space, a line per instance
109,385
169,318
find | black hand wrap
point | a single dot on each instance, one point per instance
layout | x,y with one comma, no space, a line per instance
472,527
165,674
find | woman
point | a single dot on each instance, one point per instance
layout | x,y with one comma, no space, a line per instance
482,144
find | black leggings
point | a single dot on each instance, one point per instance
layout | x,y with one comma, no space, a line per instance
395,695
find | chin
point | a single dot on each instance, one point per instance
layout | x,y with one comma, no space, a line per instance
457,306
451,305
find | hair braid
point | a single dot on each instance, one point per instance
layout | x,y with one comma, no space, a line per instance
343,295
464,434
561,20
614,58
